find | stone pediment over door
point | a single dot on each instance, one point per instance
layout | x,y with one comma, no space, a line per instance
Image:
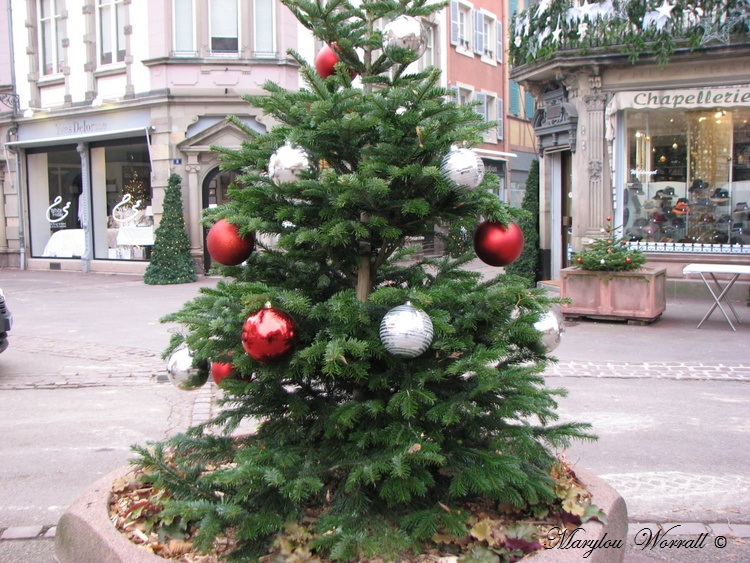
222,133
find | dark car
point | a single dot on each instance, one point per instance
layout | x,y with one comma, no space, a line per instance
6,321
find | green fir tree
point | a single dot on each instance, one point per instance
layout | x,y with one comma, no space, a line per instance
527,265
367,452
609,253
170,256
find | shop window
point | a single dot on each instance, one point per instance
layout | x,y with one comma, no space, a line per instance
224,27
184,28
51,35
111,17
116,208
686,181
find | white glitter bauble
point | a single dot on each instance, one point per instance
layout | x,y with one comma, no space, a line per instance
183,373
463,168
551,326
406,331
404,39
287,163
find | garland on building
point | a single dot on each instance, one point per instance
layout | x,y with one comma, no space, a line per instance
631,27
170,257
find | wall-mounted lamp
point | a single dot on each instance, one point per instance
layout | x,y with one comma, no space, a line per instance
29,112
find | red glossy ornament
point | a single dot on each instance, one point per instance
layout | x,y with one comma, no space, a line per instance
325,61
496,244
628,259
579,260
269,334
226,246
220,371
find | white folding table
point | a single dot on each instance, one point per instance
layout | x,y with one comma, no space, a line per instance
734,270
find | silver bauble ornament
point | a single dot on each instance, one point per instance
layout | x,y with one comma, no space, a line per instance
287,163
463,168
184,373
404,39
406,331
551,325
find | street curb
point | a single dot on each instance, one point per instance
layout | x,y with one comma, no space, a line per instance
85,534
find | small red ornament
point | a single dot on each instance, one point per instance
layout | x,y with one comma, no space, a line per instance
269,334
609,251
325,61
579,260
226,246
496,244
221,370
609,218
628,259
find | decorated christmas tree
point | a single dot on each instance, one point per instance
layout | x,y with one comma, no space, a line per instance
395,398
170,256
609,253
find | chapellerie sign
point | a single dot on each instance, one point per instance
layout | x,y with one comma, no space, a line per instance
690,98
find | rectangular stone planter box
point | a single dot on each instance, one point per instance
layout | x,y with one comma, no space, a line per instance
637,295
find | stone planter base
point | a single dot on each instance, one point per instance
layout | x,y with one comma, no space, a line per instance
85,533
638,295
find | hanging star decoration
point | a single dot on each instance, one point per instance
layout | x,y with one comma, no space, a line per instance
665,10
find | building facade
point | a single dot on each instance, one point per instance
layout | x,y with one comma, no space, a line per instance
651,130
102,100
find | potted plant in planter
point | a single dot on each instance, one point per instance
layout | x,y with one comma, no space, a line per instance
610,281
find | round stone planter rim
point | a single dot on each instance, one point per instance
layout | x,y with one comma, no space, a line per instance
85,533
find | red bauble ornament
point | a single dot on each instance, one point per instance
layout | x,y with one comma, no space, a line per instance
496,244
325,61
579,260
220,371
628,259
226,246
269,334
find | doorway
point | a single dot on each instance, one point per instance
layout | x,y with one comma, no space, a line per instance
215,193
561,231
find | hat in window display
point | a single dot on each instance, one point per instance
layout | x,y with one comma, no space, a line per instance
678,222
681,208
634,235
720,196
659,217
698,185
649,205
640,222
708,218
720,237
740,207
636,186
662,194
724,219
703,202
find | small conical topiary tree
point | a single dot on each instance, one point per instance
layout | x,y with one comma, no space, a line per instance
170,258
527,265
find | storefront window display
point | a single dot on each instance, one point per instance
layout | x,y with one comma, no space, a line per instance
116,210
688,179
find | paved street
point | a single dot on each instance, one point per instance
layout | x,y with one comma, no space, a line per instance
82,380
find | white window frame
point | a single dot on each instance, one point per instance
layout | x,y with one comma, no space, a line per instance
178,7
50,37
430,56
227,53
261,24
115,32
485,37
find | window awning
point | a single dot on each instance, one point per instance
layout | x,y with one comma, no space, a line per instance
81,137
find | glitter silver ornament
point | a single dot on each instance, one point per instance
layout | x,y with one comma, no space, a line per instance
184,373
287,163
463,168
404,40
406,331
551,325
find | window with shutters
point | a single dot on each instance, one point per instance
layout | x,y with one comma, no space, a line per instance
514,107
488,110
485,36
462,27
430,56
500,115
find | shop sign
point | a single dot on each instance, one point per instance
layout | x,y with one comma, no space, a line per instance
691,98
